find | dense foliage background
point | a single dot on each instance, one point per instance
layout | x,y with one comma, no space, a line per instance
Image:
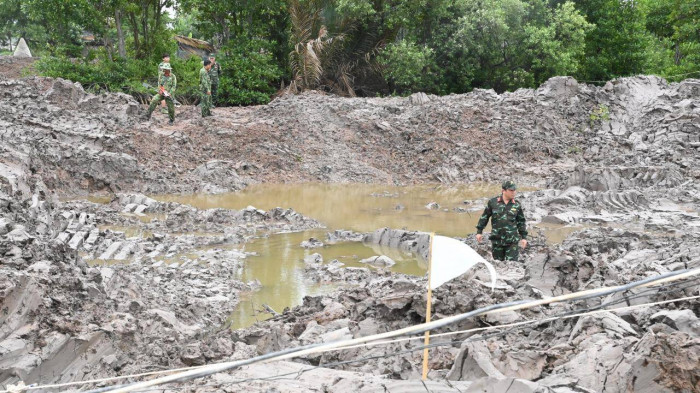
357,47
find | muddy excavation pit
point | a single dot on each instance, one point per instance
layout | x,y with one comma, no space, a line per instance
131,247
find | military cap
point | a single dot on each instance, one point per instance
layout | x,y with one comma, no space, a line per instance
212,55
166,66
509,185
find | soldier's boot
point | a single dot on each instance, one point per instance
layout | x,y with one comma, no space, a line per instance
151,108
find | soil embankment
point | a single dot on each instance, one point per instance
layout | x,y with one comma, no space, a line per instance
622,159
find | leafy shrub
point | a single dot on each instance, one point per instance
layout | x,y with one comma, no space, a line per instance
407,67
97,75
250,73
136,77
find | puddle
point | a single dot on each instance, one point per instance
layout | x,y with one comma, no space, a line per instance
278,258
361,207
278,263
279,266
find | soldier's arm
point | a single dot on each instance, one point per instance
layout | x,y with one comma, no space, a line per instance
520,222
484,218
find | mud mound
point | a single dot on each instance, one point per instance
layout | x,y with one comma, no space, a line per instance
13,67
102,318
634,132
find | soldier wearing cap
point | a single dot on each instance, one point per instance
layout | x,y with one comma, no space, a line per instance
214,73
166,88
507,224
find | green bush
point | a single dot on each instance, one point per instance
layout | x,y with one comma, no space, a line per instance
136,77
97,75
407,67
249,73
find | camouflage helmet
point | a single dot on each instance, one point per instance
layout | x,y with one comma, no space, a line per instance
166,66
509,185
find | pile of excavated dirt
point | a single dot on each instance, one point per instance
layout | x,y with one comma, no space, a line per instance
15,67
84,298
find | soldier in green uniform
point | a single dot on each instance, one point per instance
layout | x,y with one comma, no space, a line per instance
214,74
166,88
166,60
507,224
205,89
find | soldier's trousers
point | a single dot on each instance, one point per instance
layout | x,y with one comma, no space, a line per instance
505,252
214,94
168,101
205,103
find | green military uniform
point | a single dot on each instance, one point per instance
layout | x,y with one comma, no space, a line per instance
160,76
507,225
169,83
214,73
204,88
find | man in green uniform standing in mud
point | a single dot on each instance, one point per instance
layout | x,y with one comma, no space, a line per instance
166,88
508,229
205,88
166,60
214,73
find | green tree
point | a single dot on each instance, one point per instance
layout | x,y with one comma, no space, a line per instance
617,44
507,44
219,22
13,21
350,35
66,18
407,67
675,26
147,21
556,47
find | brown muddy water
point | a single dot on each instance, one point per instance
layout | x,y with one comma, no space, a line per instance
278,263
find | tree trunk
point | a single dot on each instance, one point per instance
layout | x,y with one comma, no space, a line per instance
226,32
135,29
120,33
146,34
9,39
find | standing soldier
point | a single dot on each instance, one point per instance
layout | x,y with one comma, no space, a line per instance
507,224
214,74
205,88
166,60
166,88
